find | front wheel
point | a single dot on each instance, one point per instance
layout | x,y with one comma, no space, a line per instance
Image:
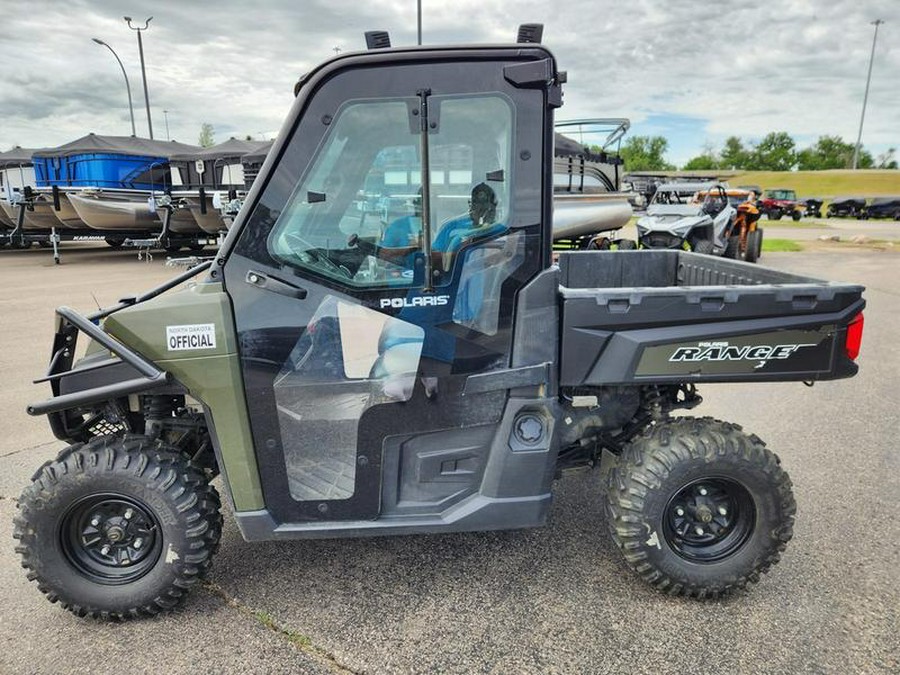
118,528
703,246
699,508
733,247
754,245
796,215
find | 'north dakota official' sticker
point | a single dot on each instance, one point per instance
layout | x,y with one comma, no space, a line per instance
193,336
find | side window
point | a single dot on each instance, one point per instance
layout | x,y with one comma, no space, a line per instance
356,217
364,176
470,173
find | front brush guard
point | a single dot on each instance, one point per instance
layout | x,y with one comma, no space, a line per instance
69,324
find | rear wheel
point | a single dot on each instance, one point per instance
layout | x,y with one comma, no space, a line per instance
114,243
796,215
775,214
627,245
698,508
118,528
829,212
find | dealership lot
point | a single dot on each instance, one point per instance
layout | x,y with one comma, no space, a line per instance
556,599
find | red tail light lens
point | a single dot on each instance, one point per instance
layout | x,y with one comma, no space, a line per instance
854,336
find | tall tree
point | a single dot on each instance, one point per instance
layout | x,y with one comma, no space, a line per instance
733,155
206,139
829,152
705,161
887,160
702,162
646,153
775,152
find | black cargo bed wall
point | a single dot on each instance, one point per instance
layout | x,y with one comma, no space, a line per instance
659,269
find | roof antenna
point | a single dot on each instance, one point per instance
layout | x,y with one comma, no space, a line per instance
378,39
530,32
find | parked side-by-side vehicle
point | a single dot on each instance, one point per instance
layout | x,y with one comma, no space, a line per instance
433,375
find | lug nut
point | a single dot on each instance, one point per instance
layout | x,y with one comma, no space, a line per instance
138,542
702,492
723,511
105,549
128,513
95,521
679,511
699,531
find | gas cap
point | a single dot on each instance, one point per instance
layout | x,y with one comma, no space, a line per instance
529,429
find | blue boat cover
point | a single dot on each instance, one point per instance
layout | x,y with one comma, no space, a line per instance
124,162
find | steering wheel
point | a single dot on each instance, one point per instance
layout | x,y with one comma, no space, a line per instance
366,247
320,257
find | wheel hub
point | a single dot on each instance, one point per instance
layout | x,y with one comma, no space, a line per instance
709,520
111,539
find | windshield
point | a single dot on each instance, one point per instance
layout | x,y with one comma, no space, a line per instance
672,197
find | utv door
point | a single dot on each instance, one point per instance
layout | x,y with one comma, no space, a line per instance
353,368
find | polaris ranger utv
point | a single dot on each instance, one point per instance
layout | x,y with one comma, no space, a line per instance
348,376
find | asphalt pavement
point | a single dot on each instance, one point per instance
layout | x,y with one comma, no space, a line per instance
556,599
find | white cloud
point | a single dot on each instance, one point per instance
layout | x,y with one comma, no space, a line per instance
741,68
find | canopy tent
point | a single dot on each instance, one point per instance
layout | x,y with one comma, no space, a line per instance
221,164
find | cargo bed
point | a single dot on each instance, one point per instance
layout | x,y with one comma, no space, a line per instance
673,316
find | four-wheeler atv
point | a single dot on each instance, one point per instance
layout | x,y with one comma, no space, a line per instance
746,237
694,216
781,202
846,207
344,383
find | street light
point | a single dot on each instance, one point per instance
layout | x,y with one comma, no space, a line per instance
127,85
862,117
143,70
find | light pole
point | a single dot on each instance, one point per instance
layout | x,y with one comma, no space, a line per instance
127,85
862,117
143,70
166,115
419,20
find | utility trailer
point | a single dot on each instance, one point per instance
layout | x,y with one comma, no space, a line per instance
345,383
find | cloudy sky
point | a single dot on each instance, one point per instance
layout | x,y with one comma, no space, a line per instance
692,71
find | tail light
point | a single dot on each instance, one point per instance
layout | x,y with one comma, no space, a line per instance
854,336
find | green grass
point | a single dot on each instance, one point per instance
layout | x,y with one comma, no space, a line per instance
825,184
781,245
297,639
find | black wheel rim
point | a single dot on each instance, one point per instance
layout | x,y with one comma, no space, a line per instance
709,520
110,538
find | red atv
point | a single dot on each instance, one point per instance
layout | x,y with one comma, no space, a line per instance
781,202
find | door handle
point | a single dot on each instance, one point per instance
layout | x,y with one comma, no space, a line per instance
270,283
